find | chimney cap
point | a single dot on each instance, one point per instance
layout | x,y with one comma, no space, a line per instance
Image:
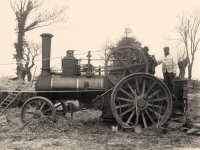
46,35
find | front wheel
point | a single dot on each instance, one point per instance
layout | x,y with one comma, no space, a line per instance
141,99
36,109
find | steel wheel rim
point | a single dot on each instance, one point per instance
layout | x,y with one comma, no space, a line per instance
150,107
38,109
125,65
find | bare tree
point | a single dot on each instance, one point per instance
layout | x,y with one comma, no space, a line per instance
189,36
31,51
28,18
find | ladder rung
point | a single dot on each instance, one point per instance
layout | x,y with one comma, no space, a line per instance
18,90
12,97
14,93
9,98
7,101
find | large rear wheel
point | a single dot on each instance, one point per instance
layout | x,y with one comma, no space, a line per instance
141,99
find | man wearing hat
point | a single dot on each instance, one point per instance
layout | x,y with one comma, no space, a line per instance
169,67
151,60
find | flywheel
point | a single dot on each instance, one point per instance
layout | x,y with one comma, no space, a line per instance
124,61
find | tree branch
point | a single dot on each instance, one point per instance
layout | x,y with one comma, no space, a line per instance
45,19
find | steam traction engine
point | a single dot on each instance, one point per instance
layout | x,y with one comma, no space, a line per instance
126,92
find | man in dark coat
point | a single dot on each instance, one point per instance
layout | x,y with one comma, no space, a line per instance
151,60
182,65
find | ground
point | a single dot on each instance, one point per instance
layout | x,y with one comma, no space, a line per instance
86,131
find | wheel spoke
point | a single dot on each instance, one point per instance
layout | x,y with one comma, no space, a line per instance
42,105
128,94
137,116
30,109
138,64
143,86
30,112
155,112
156,106
127,111
150,88
122,106
144,120
155,93
138,69
129,86
137,85
123,63
45,111
130,117
125,99
116,68
146,111
29,105
157,99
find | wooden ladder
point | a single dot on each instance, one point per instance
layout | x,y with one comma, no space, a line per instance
12,96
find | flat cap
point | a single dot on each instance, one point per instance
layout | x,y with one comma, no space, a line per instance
145,48
166,48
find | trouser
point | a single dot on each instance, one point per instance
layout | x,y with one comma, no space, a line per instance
169,80
182,72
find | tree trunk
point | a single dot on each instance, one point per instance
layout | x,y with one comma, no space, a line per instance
19,46
29,75
182,66
20,72
189,72
23,74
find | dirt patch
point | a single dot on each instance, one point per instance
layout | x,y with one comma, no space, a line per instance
85,131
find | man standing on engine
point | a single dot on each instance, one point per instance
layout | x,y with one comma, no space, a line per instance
182,64
151,60
169,67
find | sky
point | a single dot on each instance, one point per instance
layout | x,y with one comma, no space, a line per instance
90,23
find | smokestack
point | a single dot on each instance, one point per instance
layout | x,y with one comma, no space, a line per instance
46,53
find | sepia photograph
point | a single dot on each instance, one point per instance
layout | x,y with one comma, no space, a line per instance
100,75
